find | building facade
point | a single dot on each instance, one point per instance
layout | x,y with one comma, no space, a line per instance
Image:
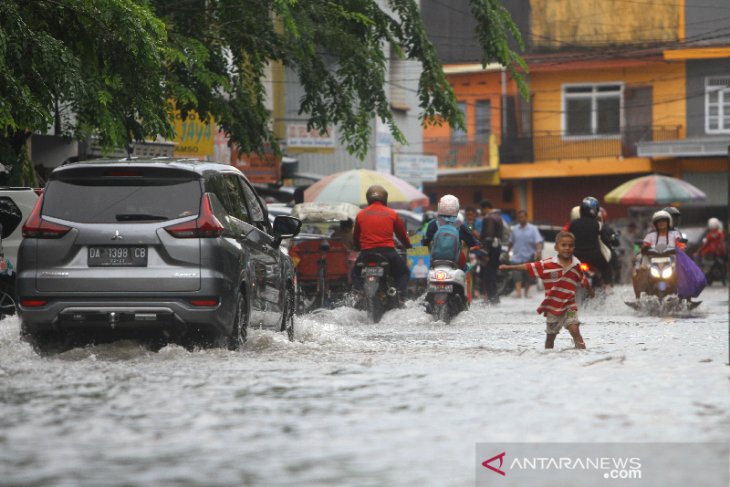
616,91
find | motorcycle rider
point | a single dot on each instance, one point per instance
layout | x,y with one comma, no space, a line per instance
610,239
587,231
373,233
675,214
448,212
713,244
662,238
674,225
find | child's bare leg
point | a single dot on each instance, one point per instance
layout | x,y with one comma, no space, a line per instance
550,340
518,289
577,338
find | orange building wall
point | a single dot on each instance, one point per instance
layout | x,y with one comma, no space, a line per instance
470,88
667,80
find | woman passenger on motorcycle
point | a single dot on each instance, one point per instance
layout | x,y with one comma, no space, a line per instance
662,238
448,213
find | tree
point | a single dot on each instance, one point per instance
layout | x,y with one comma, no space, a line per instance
109,68
83,67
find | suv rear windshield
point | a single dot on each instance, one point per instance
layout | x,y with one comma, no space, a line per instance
119,198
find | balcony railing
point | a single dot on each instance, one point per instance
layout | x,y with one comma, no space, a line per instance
557,146
454,155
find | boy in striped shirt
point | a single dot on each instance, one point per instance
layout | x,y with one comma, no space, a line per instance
562,275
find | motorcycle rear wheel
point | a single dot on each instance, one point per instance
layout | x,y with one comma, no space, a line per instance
376,309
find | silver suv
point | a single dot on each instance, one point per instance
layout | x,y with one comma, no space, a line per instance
161,250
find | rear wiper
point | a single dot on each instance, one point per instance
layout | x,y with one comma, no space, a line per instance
125,217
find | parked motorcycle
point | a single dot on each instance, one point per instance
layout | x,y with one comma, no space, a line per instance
379,292
446,295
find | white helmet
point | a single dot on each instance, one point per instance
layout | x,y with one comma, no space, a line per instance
448,205
714,224
661,215
575,213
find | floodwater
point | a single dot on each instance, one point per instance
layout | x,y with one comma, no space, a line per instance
351,403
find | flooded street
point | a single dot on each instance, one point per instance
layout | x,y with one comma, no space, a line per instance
350,403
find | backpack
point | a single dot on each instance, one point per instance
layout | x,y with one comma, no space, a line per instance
446,243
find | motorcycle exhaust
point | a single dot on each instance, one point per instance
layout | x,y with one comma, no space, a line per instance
392,291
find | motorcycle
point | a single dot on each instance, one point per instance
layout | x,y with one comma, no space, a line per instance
662,273
662,281
446,294
714,269
379,292
595,280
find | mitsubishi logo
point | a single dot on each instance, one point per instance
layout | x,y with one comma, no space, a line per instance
117,235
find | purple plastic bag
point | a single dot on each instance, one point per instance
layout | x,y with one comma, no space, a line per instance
690,278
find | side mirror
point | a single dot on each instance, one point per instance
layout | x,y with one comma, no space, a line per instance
286,226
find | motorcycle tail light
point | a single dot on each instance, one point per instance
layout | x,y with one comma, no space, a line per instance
655,272
667,273
584,267
372,264
440,275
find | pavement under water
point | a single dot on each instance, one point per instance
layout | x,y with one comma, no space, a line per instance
403,402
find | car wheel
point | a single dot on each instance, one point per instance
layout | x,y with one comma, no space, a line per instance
241,316
287,314
7,299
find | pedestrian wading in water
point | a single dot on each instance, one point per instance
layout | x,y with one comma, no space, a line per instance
561,275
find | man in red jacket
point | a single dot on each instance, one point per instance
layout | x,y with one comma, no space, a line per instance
373,233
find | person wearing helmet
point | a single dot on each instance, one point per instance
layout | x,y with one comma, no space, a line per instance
674,225
713,244
662,238
427,217
448,213
588,245
373,233
674,213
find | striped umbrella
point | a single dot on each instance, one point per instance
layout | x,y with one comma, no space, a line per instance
350,187
655,190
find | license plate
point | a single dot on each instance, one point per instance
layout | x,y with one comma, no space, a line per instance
117,256
660,260
440,288
372,271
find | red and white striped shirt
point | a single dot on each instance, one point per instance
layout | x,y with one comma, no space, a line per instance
561,284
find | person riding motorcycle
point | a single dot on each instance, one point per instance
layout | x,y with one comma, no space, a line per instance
674,225
662,238
448,213
373,233
713,244
610,239
587,231
675,214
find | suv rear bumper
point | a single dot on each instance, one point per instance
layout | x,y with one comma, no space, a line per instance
173,314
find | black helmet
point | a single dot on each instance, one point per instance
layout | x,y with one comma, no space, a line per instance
376,193
674,213
589,207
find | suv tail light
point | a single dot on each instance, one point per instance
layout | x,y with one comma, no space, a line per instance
36,227
205,226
